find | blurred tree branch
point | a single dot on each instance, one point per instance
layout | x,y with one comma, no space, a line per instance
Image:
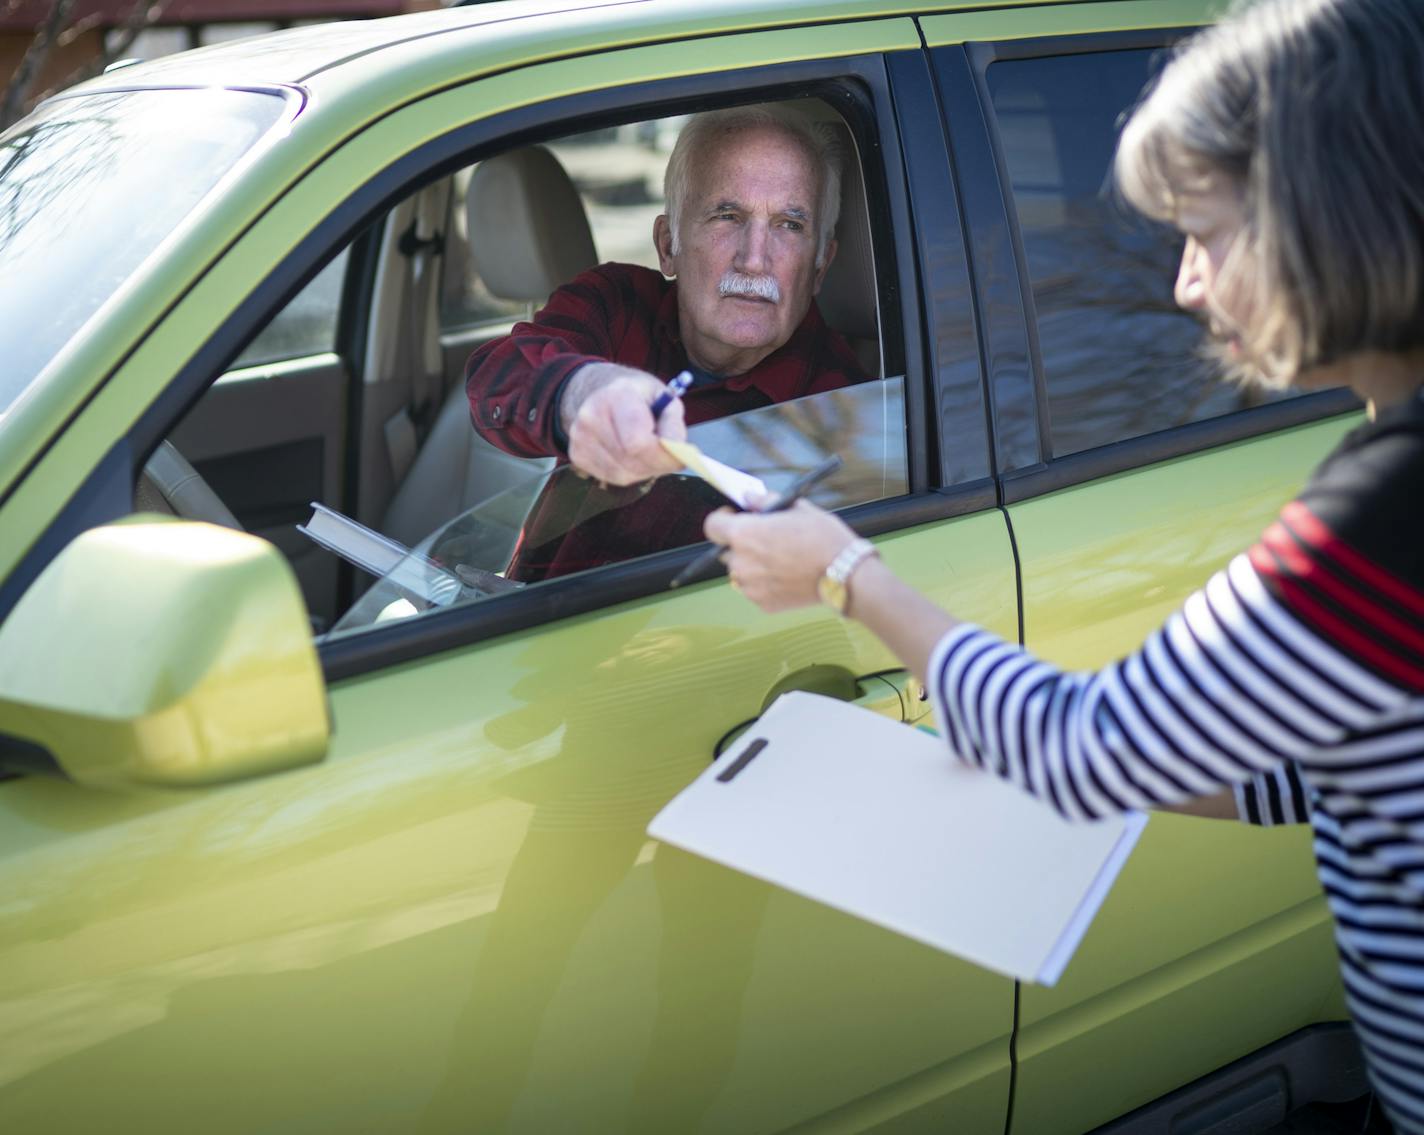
59,29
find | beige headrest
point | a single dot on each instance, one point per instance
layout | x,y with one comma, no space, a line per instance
528,231
847,296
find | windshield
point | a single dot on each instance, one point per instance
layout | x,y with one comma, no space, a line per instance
559,522
89,187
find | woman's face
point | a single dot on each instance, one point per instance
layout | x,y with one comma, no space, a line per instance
1212,219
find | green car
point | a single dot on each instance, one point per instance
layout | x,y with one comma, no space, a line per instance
291,846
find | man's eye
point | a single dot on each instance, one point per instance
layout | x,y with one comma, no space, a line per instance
794,226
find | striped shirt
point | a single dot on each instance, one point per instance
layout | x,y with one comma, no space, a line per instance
1296,675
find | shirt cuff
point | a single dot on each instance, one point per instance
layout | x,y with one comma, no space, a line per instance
556,421
949,718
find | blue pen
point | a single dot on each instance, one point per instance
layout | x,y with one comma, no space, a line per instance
675,389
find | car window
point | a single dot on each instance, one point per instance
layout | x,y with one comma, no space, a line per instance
1120,360
554,521
89,187
307,325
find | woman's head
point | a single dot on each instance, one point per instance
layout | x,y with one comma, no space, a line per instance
1300,118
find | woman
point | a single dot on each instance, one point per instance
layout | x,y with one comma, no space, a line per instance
1286,146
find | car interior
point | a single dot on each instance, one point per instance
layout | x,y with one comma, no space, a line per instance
387,439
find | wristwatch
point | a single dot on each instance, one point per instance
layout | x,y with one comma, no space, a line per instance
831,587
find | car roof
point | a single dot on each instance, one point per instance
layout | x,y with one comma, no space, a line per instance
456,43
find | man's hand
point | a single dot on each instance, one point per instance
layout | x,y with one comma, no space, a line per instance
606,411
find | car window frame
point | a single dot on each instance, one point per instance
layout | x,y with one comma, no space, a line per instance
1016,385
858,86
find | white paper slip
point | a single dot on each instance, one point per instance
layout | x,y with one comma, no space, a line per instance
741,488
877,819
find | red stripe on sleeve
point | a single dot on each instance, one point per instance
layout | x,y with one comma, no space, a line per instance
1330,626
1317,534
1302,566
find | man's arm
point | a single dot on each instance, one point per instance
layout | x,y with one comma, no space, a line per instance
550,387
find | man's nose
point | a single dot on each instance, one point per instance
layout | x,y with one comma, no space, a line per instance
1190,288
752,249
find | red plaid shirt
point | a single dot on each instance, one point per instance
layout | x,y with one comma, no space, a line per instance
627,314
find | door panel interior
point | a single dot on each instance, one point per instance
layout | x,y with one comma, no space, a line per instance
269,441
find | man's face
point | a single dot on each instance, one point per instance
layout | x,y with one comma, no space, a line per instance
746,262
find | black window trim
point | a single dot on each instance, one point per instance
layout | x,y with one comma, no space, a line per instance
858,86
1023,480
947,296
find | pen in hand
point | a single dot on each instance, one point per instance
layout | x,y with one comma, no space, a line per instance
676,388
781,501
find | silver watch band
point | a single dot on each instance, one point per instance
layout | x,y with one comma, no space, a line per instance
848,559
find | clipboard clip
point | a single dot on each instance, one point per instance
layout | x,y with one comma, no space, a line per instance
747,755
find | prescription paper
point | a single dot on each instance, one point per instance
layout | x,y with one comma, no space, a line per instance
738,487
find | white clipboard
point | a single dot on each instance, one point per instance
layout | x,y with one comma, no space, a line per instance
878,819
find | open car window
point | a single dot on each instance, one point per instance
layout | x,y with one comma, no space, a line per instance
557,522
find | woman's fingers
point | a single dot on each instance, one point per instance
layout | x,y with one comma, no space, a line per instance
776,559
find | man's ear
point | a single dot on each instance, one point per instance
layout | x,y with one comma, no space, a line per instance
662,241
825,266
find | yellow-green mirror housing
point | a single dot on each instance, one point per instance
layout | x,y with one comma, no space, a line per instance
164,652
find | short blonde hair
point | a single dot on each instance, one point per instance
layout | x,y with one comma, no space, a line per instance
817,142
1311,108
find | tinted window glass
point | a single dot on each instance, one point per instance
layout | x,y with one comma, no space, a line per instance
1119,359
88,189
307,325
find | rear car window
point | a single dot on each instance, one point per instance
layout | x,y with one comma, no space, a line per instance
1120,359
89,187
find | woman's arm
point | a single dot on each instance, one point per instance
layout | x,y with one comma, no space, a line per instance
1216,697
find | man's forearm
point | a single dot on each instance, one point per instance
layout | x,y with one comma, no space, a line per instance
513,389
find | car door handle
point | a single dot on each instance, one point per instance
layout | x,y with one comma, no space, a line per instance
894,693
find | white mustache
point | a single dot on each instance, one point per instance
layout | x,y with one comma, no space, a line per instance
757,287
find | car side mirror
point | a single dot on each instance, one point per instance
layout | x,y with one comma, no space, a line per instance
162,652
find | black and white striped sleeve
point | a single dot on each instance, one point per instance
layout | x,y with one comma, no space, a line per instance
1270,799
1233,686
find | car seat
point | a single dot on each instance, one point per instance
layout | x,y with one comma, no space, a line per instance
528,234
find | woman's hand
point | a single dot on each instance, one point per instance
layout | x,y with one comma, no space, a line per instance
775,559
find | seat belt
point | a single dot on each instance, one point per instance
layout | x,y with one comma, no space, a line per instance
418,338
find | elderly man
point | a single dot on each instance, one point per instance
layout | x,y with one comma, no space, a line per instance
752,194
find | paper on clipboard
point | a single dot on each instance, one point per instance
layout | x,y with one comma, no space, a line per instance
876,819
738,487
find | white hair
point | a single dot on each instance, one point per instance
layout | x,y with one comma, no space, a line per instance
816,140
